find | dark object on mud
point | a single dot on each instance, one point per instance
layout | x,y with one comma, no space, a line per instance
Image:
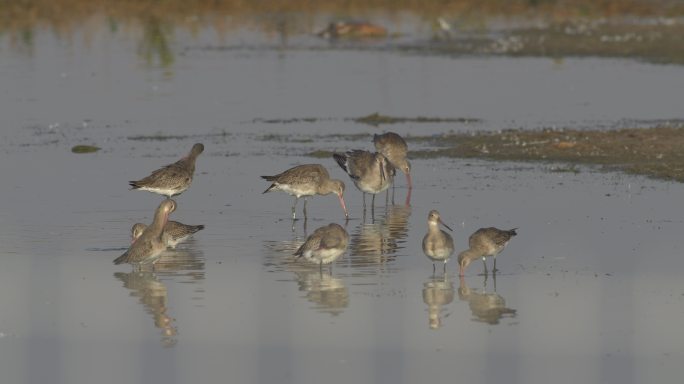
352,30
376,119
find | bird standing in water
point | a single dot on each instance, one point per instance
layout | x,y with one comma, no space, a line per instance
370,172
437,244
325,245
395,149
172,179
483,243
307,180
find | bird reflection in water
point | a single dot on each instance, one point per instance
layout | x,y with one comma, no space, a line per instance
182,264
486,307
437,293
377,243
152,295
179,265
328,294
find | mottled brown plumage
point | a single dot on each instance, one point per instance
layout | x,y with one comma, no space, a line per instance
307,180
325,245
483,243
147,248
172,179
370,172
395,149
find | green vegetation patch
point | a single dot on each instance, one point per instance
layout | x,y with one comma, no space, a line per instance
84,149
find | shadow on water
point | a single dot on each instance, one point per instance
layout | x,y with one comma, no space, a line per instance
486,307
178,265
438,292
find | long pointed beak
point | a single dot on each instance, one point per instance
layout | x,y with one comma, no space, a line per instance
382,171
408,181
446,226
344,206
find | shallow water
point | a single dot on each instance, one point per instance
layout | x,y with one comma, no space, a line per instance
588,291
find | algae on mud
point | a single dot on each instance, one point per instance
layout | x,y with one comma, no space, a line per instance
84,149
654,152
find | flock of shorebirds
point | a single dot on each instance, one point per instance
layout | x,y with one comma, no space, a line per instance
371,172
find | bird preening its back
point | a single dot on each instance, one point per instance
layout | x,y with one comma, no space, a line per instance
174,232
147,248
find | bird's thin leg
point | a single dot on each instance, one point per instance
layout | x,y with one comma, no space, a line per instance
294,206
387,196
364,202
392,193
495,270
305,217
444,268
433,269
485,267
373,202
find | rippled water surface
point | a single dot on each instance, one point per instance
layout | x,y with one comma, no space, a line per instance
589,291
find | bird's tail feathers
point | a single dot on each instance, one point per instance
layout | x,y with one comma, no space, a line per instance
341,161
121,259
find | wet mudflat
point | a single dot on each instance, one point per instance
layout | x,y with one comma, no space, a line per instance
589,290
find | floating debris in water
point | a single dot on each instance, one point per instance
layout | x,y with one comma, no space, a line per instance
85,149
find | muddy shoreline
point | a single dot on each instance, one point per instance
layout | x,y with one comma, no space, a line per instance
653,152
